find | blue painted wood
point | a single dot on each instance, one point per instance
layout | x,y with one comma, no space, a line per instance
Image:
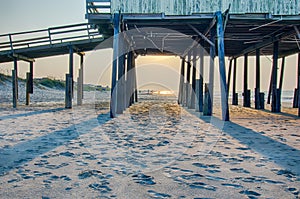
113,100
222,69
188,7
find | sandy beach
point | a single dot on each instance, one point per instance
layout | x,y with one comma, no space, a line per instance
156,149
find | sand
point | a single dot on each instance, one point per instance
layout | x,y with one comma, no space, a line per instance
156,149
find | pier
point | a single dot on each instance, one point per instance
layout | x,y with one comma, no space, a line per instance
232,29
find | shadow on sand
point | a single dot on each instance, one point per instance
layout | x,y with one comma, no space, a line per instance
12,157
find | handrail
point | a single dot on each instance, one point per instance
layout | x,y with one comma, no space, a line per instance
98,6
50,36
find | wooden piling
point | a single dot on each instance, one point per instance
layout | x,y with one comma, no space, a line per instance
27,88
14,89
275,106
188,77
247,92
68,93
31,77
181,82
296,92
113,96
229,77
208,106
193,89
201,79
222,69
71,67
16,77
257,87
234,94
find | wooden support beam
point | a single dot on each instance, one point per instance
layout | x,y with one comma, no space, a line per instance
16,81
193,89
71,68
229,76
129,80
259,103
234,94
181,82
201,79
135,80
281,73
222,69
27,89
21,57
82,75
275,106
14,89
298,83
201,35
247,92
264,43
113,96
68,93
188,80
209,93
31,77
121,77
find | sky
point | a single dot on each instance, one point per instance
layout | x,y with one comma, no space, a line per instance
24,15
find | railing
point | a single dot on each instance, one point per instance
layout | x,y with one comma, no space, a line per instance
98,6
50,36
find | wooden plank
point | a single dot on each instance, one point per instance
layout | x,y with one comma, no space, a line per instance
113,102
222,69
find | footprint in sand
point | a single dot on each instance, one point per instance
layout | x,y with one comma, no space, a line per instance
143,179
158,195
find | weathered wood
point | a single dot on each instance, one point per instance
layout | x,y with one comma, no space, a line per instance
71,67
181,82
257,88
234,94
82,74
135,80
187,7
247,93
229,77
31,77
121,77
222,69
68,93
298,84
208,106
281,73
113,96
27,89
270,88
188,77
296,93
16,82
275,106
201,79
14,89
79,88
193,90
